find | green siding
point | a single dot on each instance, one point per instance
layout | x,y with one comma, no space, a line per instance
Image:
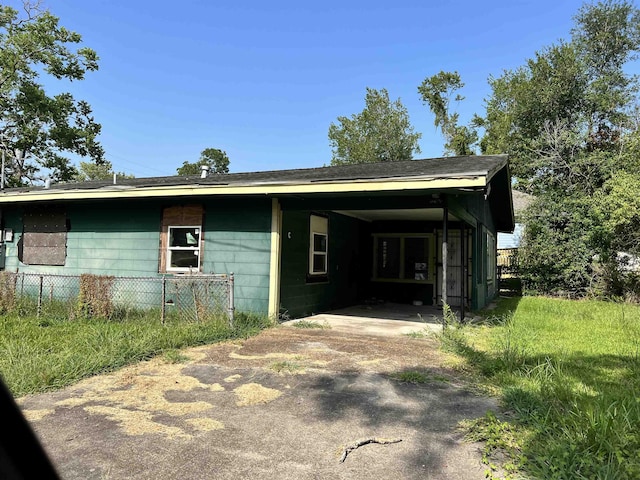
123,239
238,240
103,239
345,277
479,209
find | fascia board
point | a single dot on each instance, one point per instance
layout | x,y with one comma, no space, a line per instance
272,189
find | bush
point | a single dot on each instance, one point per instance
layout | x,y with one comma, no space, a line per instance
559,246
94,299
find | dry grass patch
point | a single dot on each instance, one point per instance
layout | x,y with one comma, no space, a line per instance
205,424
35,415
255,394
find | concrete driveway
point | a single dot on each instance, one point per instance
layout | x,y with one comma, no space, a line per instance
282,405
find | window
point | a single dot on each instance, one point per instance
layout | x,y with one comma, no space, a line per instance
318,246
183,251
44,238
181,239
402,257
389,257
491,257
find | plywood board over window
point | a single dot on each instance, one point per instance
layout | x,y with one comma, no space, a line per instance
44,238
181,239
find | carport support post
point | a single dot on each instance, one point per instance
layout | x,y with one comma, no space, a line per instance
445,253
464,272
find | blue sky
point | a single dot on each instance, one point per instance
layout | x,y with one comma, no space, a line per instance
264,80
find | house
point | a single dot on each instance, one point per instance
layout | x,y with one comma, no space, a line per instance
521,201
298,241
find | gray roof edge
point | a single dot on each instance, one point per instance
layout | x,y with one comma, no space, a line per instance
486,165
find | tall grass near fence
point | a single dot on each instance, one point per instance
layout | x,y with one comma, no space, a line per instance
192,297
568,375
39,354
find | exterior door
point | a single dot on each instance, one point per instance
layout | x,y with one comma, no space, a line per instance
457,268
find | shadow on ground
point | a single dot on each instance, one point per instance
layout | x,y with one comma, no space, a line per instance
282,405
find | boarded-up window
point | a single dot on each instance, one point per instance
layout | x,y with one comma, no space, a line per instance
181,239
44,237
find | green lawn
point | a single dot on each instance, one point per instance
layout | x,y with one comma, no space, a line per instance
42,354
568,374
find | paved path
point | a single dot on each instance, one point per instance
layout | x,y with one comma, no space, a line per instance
282,405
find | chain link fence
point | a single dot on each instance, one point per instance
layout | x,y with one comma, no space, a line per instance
195,298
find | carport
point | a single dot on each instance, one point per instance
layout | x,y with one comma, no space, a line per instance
420,233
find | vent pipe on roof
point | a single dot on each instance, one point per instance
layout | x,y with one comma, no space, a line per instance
47,183
205,171
115,178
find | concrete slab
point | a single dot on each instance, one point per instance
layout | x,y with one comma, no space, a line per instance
386,319
369,325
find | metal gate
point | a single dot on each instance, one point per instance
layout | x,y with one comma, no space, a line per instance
458,267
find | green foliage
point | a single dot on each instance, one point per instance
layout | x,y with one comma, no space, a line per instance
46,353
88,171
558,246
499,437
436,91
568,374
175,356
565,118
618,205
36,129
214,158
559,112
310,324
286,366
382,132
411,376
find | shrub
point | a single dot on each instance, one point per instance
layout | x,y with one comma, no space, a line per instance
94,299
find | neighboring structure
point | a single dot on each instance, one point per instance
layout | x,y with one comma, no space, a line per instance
298,241
521,202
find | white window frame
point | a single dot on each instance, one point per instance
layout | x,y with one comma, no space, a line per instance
318,226
195,249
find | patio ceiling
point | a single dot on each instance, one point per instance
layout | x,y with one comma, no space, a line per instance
413,214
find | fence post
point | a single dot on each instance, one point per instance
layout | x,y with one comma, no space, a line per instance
230,287
164,299
40,296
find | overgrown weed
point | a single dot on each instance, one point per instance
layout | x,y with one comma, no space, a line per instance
567,373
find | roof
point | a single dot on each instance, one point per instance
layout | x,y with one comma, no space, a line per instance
434,168
521,201
487,173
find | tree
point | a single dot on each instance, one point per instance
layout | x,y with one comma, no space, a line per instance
37,129
566,118
382,132
216,159
436,91
98,171
569,102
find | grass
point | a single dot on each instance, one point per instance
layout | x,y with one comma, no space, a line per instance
416,377
568,375
310,324
43,354
287,367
